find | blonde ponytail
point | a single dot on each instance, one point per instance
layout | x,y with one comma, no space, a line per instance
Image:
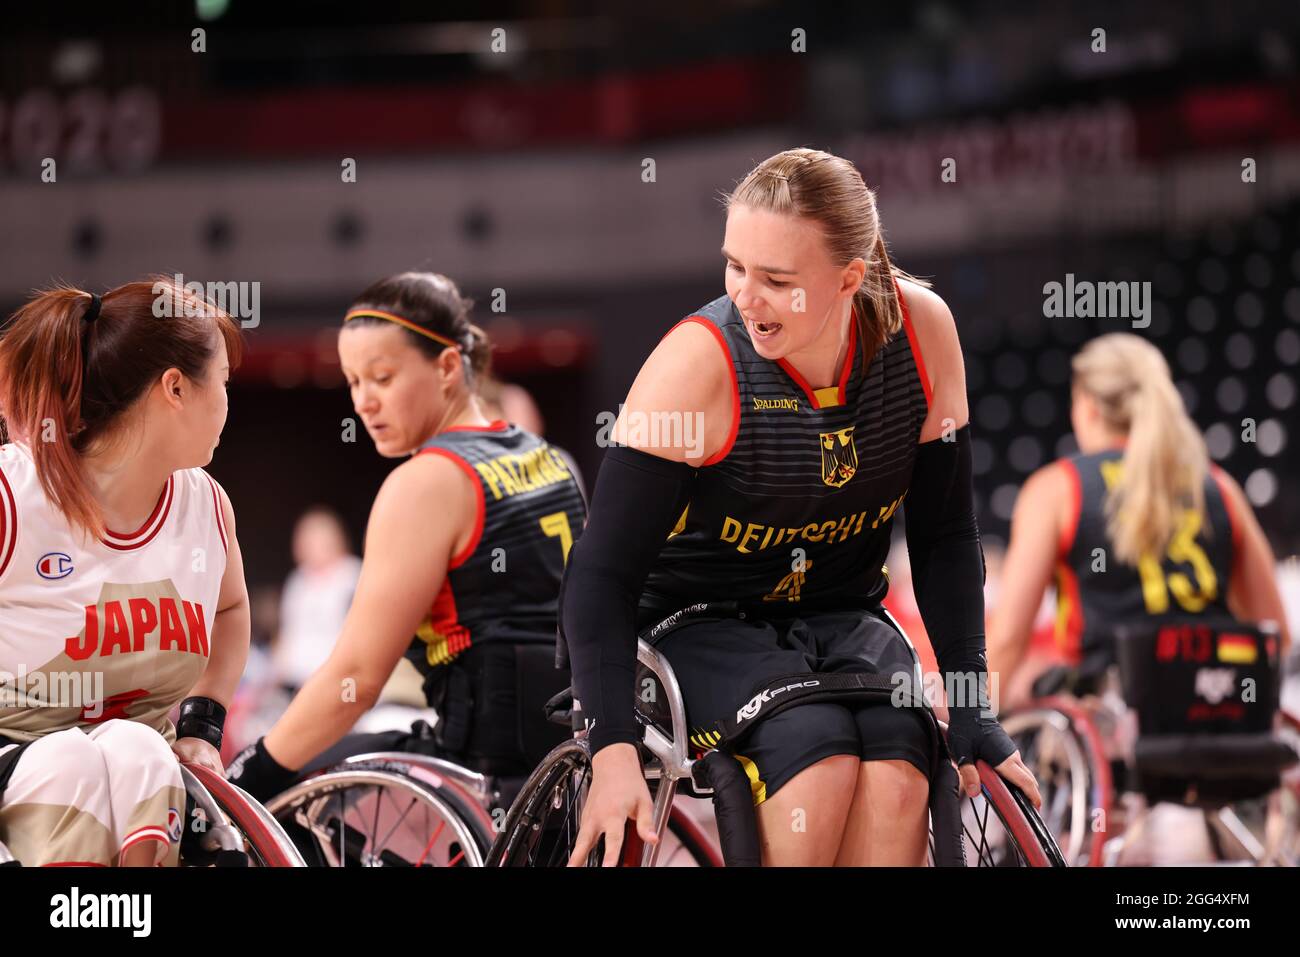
1165,460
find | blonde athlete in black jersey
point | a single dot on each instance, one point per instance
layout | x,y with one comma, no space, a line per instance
824,383
1181,539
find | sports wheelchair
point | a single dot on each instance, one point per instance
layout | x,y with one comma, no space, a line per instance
406,809
398,800
1186,713
224,827
1000,827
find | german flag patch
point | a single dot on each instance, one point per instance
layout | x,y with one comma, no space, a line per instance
1237,649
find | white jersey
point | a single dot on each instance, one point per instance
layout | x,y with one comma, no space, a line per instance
116,628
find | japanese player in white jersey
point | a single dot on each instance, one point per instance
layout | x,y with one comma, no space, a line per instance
121,584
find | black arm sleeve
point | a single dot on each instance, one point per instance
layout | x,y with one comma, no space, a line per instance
637,499
943,544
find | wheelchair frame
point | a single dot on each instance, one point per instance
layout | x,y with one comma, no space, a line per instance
236,823
671,764
1074,722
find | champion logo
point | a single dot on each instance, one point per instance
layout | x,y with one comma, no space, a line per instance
175,825
54,565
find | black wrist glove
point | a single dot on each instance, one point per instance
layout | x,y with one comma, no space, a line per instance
971,737
258,773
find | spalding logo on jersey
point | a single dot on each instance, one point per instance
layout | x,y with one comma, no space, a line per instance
54,565
839,457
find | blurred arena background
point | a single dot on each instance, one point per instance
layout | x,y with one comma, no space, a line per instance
516,163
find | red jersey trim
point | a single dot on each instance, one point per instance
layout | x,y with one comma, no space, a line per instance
793,373
444,621
723,452
74,864
464,554
221,519
1073,505
8,523
149,832
1069,626
845,370
914,343
496,425
152,526
1233,519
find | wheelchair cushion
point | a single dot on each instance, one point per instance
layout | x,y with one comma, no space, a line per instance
1221,768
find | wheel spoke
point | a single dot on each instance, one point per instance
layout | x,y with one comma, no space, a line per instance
343,829
428,847
374,829
396,824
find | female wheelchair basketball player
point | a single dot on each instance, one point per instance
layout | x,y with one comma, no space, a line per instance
464,550
826,388
1140,531
1180,538
113,407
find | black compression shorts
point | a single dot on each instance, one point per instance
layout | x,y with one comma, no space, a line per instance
719,662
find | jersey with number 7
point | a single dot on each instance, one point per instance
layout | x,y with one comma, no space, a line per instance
504,584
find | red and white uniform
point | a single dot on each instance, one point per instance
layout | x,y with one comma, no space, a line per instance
99,640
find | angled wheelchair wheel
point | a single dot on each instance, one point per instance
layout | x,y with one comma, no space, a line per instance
371,817
1002,828
1063,750
236,830
541,827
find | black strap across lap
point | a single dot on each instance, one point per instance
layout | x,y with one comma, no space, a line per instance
721,772
784,692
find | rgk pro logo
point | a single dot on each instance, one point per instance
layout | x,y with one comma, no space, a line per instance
767,694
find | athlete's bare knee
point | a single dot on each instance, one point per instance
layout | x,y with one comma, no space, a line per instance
802,823
838,773
894,788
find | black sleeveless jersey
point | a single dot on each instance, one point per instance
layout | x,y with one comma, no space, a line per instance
1096,592
504,585
794,512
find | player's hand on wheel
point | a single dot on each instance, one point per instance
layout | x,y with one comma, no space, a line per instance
618,794
254,770
973,737
198,751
